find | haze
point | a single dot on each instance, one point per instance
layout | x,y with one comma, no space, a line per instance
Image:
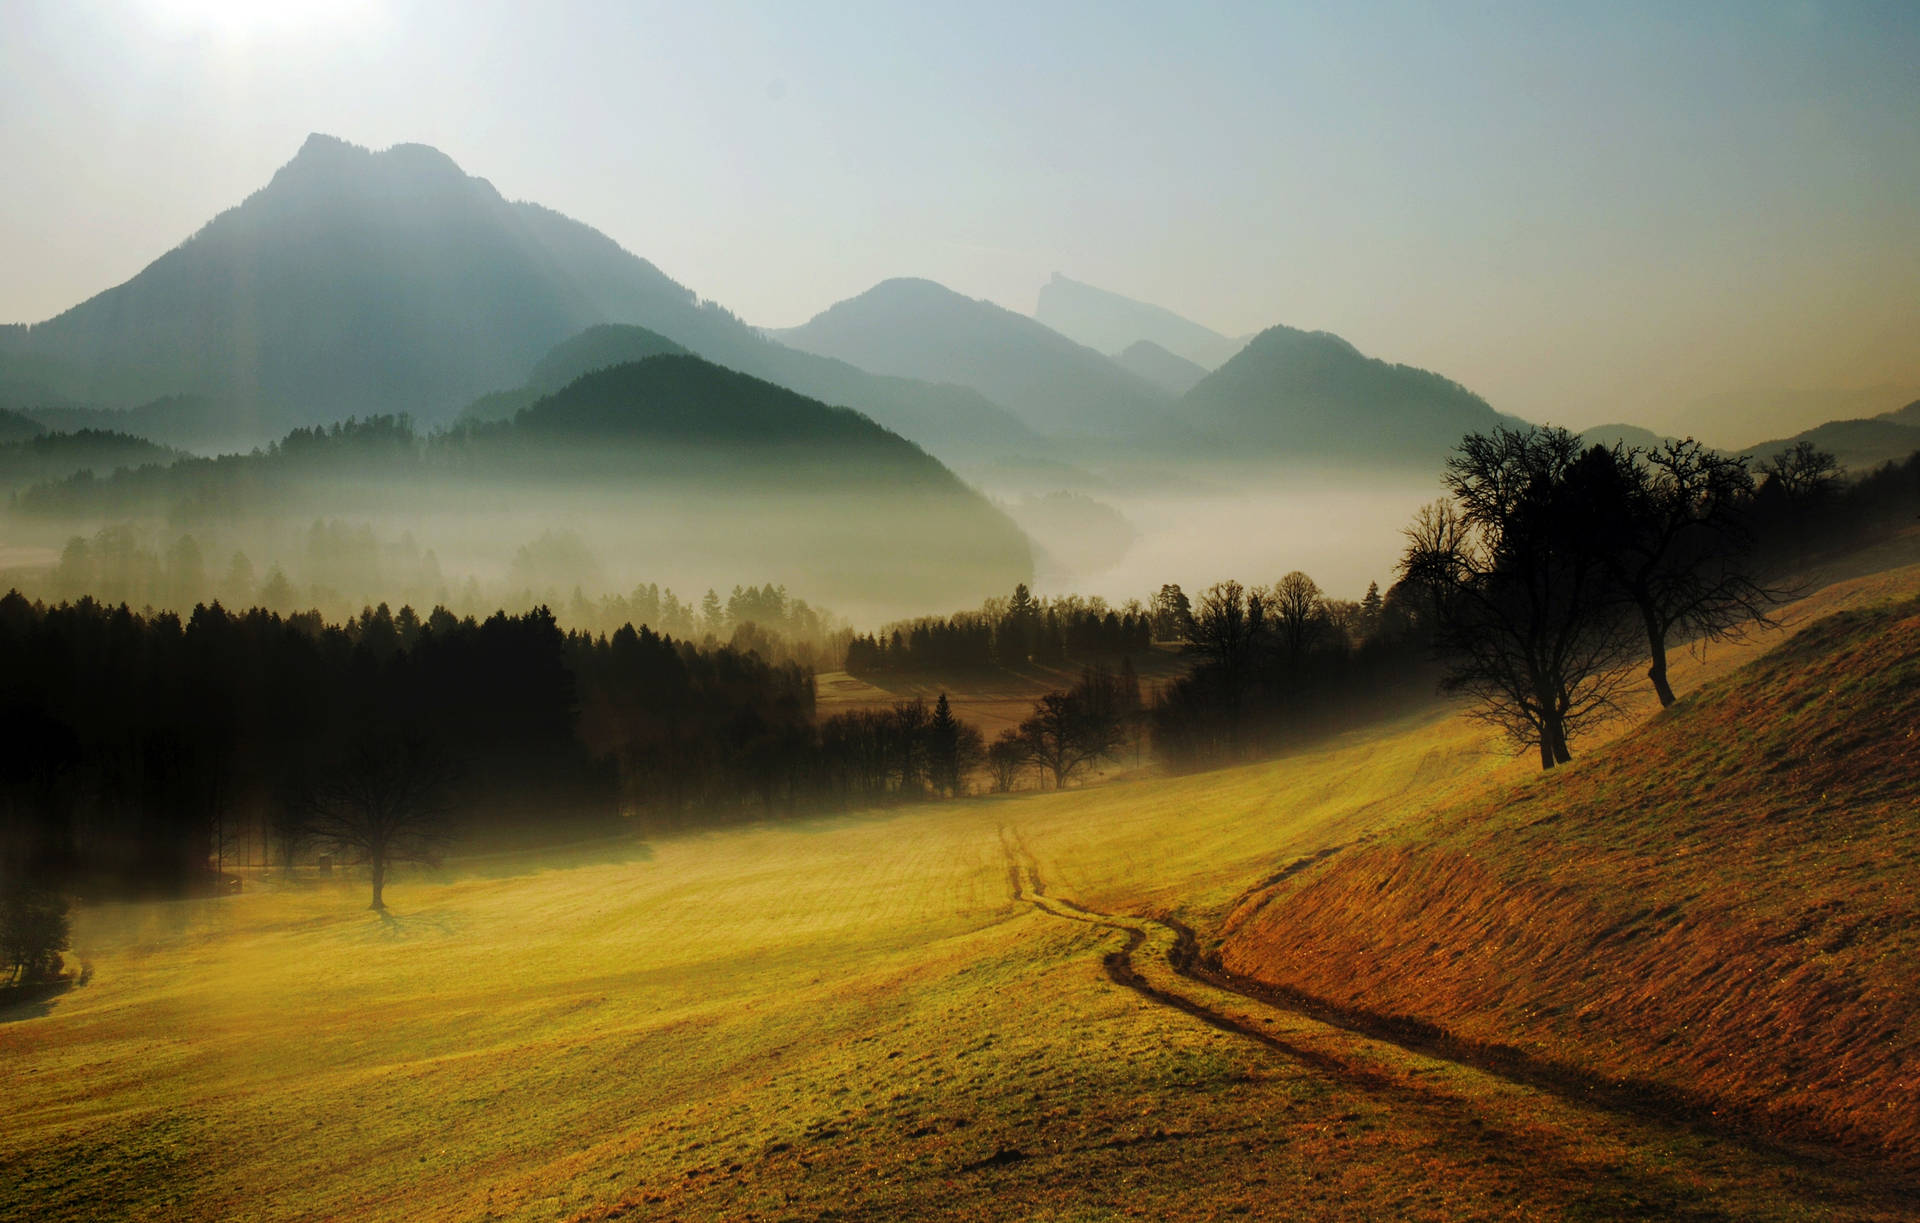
1584,216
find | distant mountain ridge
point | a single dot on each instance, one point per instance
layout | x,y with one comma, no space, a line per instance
1110,323
353,282
1909,415
1623,435
1859,445
916,328
359,282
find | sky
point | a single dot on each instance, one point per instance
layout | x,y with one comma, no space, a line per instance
1696,217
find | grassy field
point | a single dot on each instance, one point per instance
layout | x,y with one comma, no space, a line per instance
861,1017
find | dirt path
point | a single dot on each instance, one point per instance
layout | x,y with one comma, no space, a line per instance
1578,1123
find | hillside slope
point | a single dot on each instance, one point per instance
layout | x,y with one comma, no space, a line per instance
56,456
1719,906
1860,445
673,459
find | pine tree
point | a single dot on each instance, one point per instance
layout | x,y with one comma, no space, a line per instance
943,749
1370,607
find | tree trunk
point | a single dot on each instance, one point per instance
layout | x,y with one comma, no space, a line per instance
1553,740
379,881
1657,650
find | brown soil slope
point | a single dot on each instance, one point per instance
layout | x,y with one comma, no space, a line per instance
1723,906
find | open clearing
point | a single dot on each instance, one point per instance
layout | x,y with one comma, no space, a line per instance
910,1013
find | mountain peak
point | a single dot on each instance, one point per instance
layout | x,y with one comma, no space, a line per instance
1306,393
1107,322
329,159
912,288
1281,337
321,142
322,150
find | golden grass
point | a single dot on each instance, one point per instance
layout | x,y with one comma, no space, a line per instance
849,1016
1721,903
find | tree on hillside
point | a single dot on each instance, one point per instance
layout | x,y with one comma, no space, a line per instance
1521,609
387,800
1669,525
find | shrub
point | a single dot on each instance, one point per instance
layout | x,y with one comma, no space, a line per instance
33,933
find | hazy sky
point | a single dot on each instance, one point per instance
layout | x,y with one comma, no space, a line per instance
1585,213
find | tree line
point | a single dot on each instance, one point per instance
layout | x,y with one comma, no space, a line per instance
1005,632
339,561
1273,665
147,751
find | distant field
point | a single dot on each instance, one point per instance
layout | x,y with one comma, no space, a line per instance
870,1017
995,699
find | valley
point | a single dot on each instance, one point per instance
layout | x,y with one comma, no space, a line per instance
981,611
983,1008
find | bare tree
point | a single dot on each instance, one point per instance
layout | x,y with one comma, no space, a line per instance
910,743
1803,472
1068,730
387,800
1669,525
1298,611
1227,631
1522,613
1005,758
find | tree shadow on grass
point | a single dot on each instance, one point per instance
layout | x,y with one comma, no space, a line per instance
413,927
35,1000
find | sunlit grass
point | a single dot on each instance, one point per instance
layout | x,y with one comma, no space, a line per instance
845,1013
1719,903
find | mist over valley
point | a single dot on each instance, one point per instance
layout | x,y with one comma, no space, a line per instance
958,612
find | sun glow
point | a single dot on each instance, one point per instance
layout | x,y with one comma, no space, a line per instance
245,20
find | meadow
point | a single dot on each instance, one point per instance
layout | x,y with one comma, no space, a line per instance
919,1012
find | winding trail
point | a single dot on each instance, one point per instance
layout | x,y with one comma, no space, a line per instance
1406,1063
